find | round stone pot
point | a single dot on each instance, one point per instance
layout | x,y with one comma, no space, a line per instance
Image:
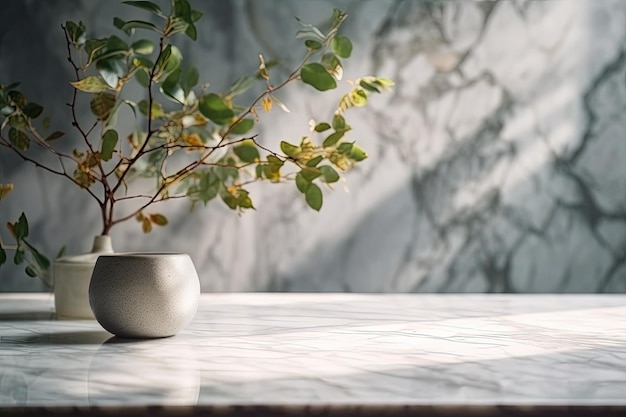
144,295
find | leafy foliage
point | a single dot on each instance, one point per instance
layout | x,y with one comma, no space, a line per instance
36,264
209,134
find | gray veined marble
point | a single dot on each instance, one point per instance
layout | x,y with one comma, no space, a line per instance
496,165
473,355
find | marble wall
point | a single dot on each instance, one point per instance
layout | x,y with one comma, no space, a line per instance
494,166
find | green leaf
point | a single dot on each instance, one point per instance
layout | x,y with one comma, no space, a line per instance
94,47
242,127
31,271
214,108
118,23
376,85
209,193
313,162
342,46
302,183
61,252
228,198
54,135
111,69
316,75
172,89
19,139
17,121
182,9
357,154
114,45
345,148
42,261
272,169
101,105
329,174
338,17
189,79
146,5
208,187
3,256
18,98
109,141
11,86
332,65
157,108
91,84
19,257
228,171
385,82
32,110
143,78
333,138
289,149
21,227
75,31
339,123
241,85
191,32
322,127
310,173
140,24
143,47
173,59
313,196
143,63
309,31
369,86
358,96
247,151
196,15
244,201
312,44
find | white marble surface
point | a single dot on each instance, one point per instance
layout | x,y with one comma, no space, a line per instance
327,349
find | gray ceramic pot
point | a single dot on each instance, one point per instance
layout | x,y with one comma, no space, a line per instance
144,295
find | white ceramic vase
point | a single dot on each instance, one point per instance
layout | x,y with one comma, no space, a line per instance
71,275
144,295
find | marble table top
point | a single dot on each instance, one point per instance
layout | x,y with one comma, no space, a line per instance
326,354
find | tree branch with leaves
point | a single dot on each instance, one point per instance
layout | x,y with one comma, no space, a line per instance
188,141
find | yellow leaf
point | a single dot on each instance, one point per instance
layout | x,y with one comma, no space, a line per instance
158,219
11,228
82,177
263,69
267,104
146,225
5,189
192,139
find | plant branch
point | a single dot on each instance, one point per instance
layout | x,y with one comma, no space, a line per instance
38,164
140,153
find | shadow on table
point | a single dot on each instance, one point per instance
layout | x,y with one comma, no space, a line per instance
27,315
85,337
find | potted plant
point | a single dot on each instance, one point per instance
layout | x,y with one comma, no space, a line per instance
188,141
